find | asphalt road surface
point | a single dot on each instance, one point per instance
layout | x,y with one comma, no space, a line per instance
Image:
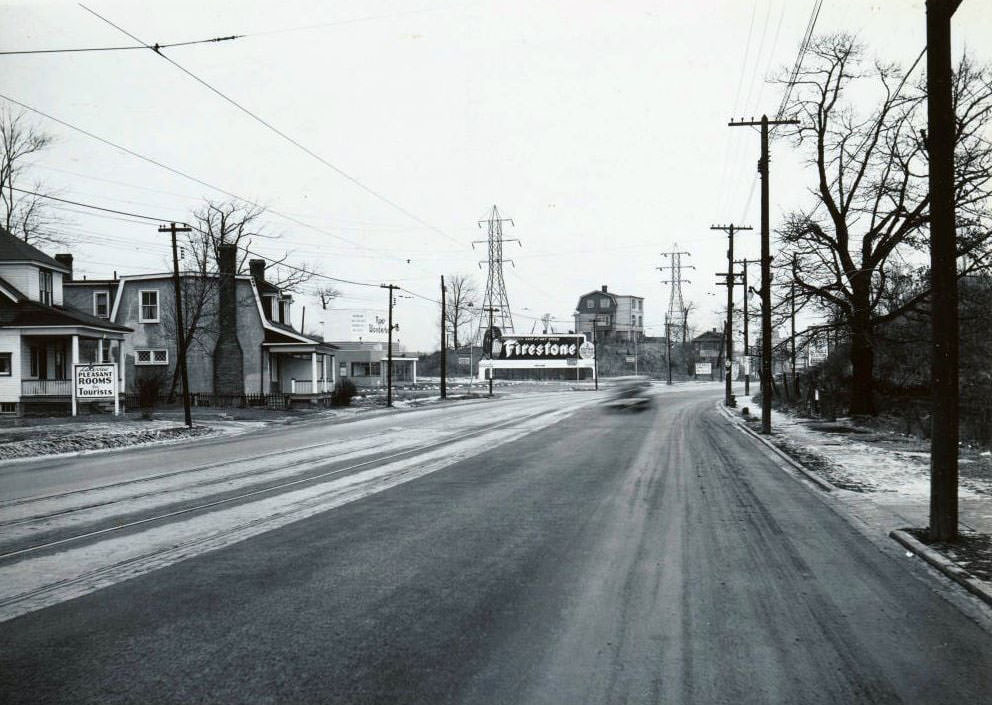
583,556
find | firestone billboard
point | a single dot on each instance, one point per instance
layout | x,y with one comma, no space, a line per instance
541,347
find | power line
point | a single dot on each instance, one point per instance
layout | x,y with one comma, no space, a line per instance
183,174
299,145
154,47
86,205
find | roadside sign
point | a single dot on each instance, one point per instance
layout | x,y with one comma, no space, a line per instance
704,368
631,359
464,360
94,381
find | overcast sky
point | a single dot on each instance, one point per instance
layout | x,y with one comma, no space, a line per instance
599,127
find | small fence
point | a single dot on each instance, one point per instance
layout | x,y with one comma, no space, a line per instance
276,400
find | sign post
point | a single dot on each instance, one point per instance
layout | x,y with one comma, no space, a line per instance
95,381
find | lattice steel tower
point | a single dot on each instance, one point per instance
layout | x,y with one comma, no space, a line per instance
677,315
495,296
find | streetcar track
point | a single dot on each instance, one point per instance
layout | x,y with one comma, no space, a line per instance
261,491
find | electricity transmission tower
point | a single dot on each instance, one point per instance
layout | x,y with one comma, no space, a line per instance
677,314
495,296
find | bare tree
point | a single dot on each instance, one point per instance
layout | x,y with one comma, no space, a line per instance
871,210
25,215
462,292
326,294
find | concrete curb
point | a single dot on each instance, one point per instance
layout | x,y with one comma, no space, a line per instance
813,477
946,566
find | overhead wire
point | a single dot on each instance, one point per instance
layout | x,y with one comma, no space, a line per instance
154,47
192,178
299,145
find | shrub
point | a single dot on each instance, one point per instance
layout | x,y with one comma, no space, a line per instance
148,383
344,390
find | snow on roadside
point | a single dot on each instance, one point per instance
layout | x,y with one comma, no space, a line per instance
865,466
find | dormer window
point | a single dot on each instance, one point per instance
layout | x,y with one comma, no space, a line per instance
46,287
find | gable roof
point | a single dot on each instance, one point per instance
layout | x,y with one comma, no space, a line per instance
14,249
11,291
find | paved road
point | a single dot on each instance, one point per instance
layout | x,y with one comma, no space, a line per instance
608,558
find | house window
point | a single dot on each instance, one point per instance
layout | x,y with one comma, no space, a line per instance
60,358
590,304
149,306
46,288
5,364
360,369
158,356
375,369
604,303
8,407
101,304
39,362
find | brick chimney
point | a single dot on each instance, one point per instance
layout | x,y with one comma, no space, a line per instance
604,288
257,267
66,261
228,357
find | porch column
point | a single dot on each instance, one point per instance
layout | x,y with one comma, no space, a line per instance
323,372
313,372
72,373
99,350
414,363
121,373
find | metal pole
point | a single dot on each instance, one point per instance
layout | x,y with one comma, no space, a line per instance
668,345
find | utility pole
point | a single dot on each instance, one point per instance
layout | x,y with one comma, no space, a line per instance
491,310
595,353
444,346
792,316
668,345
180,326
730,282
943,274
389,346
747,340
766,270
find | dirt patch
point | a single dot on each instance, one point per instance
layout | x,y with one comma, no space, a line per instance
52,442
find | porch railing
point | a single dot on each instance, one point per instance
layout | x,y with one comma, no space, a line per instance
46,388
305,386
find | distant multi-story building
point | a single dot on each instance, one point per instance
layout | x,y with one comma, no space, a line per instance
615,316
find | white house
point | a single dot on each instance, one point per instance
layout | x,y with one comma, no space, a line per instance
40,339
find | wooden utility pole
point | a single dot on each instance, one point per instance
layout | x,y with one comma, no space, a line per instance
730,282
943,274
747,341
180,326
389,346
444,345
668,346
766,270
490,310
